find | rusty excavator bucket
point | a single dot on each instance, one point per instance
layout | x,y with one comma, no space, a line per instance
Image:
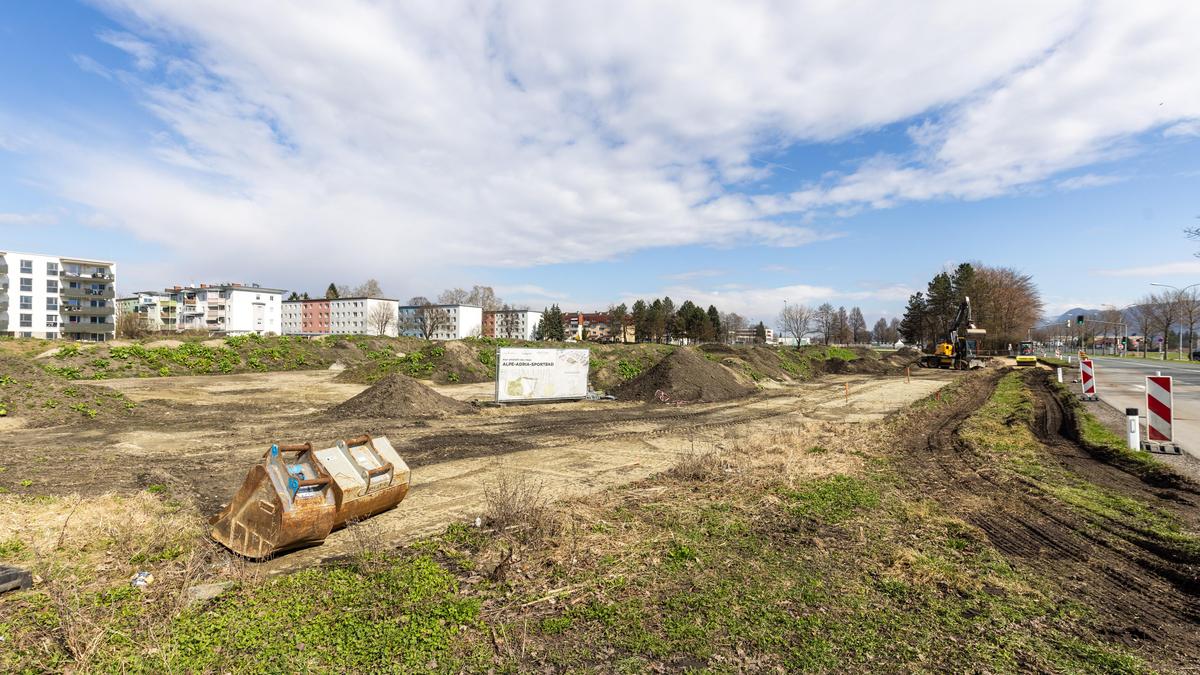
297,495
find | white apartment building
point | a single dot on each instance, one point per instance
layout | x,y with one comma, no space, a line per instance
441,322
231,309
513,324
747,336
341,316
156,309
45,296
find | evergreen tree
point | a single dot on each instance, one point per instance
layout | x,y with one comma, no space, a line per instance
331,293
641,324
294,296
941,304
912,326
714,324
618,316
669,319
551,326
760,334
658,323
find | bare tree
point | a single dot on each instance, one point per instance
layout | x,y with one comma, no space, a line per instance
1006,303
380,319
797,320
453,296
893,331
1110,318
1143,320
1189,314
858,326
426,319
732,323
826,320
369,289
132,325
508,322
1164,311
880,332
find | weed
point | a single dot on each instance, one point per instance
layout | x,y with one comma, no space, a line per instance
833,499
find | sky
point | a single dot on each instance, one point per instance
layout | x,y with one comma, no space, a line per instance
740,154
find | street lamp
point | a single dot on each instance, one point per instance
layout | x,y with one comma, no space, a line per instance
1180,295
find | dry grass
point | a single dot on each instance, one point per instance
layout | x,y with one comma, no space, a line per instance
516,503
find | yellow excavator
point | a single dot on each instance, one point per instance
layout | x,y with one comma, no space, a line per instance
959,352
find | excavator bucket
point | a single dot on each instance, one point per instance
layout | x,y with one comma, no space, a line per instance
296,495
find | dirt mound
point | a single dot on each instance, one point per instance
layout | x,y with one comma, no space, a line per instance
399,396
460,363
684,375
43,399
905,356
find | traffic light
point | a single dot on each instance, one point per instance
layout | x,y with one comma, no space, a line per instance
1079,320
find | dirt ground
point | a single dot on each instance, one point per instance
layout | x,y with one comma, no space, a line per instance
1145,595
208,430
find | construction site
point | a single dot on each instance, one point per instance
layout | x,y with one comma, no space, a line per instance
771,500
716,507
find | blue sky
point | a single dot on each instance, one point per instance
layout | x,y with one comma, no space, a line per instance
742,155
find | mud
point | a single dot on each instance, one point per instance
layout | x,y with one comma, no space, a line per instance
1145,596
402,397
684,377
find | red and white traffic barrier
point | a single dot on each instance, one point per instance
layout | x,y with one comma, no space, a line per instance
1087,377
1160,404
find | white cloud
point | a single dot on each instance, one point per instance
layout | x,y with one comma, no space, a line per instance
1165,269
693,274
40,218
1087,180
765,303
1185,129
143,53
410,138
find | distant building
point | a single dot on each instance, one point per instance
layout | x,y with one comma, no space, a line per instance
594,326
155,309
513,324
341,316
748,336
230,309
441,322
44,296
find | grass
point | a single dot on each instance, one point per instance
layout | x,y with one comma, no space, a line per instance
1000,430
795,549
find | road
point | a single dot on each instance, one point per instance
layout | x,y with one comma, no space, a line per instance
1122,384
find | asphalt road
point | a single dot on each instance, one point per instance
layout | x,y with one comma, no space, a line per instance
1122,384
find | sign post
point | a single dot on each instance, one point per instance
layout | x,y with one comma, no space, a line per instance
1160,405
1087,379
1133,434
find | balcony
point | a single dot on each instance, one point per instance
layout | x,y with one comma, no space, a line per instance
3,268
89,293
87,310
87,327
94,276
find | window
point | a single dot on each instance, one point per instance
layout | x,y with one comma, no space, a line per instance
27,285
26,334
51,303
26,267
26,302
51,335
52,268
51,320
26,321
52,285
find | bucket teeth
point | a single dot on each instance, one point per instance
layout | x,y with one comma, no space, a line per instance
296,495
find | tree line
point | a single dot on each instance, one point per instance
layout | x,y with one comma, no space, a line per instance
834,326
1004,302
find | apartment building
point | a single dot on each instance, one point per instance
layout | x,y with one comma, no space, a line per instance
230,309
441,322
45,296
595,326
341,316
513,324
155,309
747,336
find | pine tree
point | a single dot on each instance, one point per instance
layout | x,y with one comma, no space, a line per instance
760,334
714,324
912,326
331,293
551,326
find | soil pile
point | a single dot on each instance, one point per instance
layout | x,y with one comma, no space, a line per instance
460,363
684,376
399,396
905,356
42,399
